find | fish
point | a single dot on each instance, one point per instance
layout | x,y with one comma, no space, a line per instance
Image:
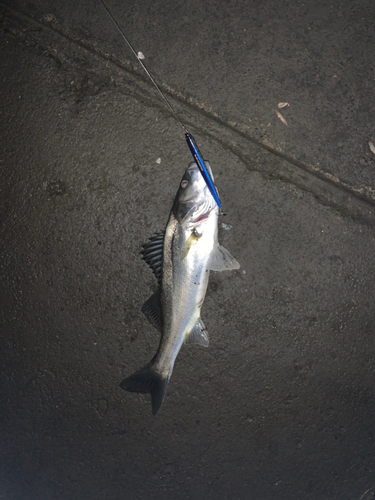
181,257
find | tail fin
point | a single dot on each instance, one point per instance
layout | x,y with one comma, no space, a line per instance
148,381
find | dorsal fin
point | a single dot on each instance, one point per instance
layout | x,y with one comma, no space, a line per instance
153,254
152,310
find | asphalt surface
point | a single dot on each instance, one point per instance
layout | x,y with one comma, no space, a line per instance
236,60
282,403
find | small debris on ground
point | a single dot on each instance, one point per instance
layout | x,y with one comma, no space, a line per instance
49,18
141,55
283,105
281,117
158,161
372,147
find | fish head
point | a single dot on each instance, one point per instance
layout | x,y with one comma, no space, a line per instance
193,201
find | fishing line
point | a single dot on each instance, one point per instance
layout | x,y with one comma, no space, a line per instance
189,138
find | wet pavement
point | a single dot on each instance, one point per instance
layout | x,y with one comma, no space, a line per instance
282,403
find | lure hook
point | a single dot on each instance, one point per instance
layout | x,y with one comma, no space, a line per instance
189,138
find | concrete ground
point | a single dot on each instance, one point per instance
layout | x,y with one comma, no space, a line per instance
282,403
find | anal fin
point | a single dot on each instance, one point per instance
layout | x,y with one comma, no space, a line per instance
198,334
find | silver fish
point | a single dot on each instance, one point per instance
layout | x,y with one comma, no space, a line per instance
181,257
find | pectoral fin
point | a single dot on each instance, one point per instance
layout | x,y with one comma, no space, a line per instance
198,334
222,260
193,238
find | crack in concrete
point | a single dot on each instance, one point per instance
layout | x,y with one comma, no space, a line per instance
349,201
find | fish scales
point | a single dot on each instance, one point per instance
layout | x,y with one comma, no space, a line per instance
184,285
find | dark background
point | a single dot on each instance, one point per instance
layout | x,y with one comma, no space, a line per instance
282,403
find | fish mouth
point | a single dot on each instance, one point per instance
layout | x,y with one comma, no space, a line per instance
194,202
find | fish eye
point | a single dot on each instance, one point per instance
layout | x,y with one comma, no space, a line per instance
184,183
